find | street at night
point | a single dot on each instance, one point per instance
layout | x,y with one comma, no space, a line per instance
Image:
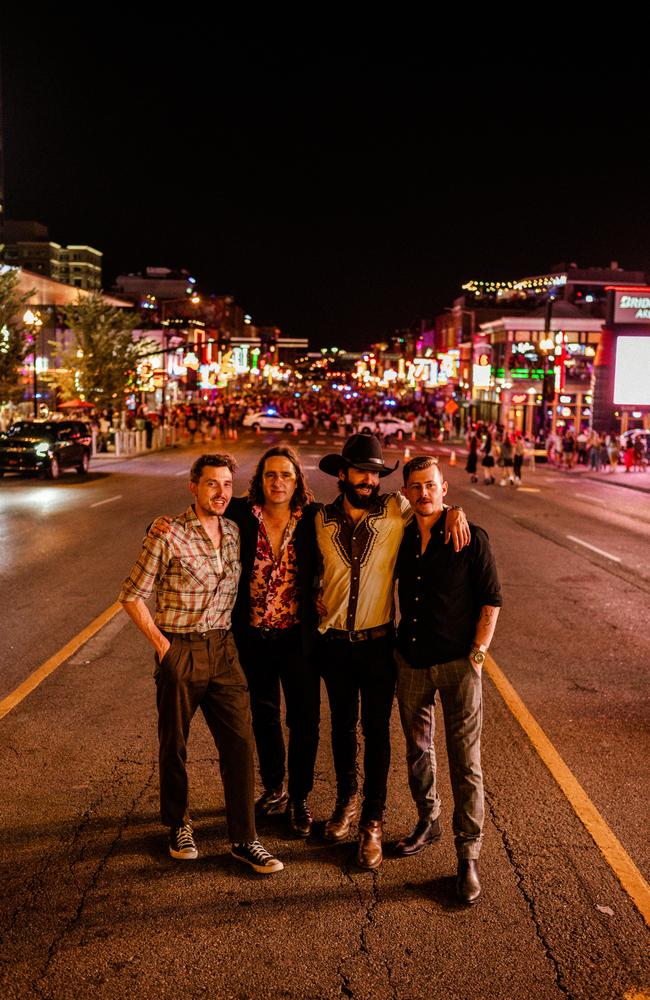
324,511
94,906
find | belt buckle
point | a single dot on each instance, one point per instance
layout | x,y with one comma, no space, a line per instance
358,636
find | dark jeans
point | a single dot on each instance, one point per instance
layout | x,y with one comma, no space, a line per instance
271,663
205,673
360,672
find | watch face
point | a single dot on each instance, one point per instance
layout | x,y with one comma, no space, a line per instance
478,657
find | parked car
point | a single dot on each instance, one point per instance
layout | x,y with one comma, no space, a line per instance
46,447
387,427
271,420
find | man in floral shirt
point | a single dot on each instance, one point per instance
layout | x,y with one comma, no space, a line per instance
274,621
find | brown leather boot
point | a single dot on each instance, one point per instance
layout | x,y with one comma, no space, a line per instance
339,824
369,853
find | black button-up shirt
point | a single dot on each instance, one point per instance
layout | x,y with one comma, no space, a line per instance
441,593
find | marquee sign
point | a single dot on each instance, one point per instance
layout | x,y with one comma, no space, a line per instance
632,306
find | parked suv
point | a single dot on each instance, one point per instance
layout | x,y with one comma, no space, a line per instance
46,447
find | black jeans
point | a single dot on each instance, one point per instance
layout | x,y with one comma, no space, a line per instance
365,672
268,664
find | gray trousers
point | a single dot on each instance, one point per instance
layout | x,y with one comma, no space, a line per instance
459,686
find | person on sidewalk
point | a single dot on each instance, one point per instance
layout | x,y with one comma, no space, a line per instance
358,536
194,570
506,460
488,458
518,457
449,603
472,453
274,621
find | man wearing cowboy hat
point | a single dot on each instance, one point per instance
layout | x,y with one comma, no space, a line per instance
359,535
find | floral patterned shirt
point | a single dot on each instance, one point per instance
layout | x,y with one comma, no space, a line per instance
274,583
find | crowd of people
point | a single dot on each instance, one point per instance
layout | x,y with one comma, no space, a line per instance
325,410
501,453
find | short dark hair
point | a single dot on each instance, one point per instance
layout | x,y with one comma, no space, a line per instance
302,493
220,461
417,463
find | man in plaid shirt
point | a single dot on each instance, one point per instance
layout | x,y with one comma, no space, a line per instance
194,570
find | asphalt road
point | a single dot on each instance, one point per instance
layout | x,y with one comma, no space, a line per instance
92,905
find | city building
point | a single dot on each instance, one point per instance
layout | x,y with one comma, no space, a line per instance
27,245
48,334
522,353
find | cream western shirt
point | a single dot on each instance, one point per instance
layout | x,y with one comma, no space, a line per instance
358,562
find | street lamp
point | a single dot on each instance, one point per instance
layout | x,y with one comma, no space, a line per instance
33,322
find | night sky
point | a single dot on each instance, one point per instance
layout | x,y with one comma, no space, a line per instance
338,187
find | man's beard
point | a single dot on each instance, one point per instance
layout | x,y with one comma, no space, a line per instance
360,501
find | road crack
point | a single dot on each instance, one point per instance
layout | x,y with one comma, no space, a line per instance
363,947
527,895
38,984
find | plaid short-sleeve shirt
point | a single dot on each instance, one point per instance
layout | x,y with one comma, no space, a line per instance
195,583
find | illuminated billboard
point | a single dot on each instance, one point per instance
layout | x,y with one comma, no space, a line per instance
632,306
632,374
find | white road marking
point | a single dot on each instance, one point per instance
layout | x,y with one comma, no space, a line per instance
585,496
183,472
109,500
479,494
310,466
593,548
528,489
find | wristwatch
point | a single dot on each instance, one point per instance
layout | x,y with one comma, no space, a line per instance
477,655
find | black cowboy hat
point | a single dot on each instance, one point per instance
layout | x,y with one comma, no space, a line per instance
362,451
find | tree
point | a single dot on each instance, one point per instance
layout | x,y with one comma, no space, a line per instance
103,357
13,334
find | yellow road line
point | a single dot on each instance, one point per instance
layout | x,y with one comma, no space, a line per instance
609,845
45,669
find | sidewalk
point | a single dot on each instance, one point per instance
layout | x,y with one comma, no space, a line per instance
639,481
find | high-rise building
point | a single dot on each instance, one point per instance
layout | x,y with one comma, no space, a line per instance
27,245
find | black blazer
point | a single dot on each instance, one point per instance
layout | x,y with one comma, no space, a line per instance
240,511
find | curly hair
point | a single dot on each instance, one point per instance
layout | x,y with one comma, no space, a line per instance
218,460
302,493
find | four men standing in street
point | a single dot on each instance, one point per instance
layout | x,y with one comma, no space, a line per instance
336,562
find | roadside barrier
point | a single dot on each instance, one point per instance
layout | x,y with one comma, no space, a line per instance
452,457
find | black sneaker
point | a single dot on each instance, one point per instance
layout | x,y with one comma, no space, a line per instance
181,843
259,859
271,802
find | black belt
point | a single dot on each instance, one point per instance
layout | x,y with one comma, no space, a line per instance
273,633
194,636
360,635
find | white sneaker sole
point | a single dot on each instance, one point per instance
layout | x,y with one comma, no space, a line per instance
184,855
275,866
